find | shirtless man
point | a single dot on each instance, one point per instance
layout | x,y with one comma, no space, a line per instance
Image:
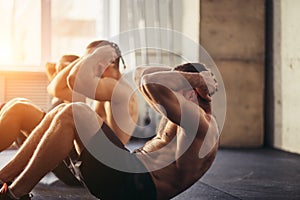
102,106
20,116
167,88
184,97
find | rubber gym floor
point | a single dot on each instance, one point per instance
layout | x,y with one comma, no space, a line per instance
235,174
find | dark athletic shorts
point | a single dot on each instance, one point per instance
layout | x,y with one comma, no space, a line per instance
105,182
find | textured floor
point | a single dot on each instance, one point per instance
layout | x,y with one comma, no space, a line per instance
235,174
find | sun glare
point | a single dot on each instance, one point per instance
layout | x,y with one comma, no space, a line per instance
5,53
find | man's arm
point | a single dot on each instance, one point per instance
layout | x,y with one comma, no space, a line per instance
141,71
162,88
50,70
85,79
58,86
205,82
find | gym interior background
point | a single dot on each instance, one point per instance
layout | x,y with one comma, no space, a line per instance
254,44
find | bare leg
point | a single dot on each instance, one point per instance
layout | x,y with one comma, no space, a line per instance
20,160
55,145
18,115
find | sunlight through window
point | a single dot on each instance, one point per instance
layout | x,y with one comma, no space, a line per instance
5,52
20,33
70,26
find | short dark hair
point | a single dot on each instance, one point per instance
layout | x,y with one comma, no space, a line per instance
191,67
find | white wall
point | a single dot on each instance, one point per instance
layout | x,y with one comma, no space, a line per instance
287,75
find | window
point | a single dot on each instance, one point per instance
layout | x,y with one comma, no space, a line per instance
33,32
36,31
20,34
74,25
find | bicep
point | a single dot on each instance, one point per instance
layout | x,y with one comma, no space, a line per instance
163,100
176,108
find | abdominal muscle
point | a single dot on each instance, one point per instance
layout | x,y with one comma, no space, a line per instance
172,173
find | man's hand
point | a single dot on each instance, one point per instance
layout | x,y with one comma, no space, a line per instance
210,82
88,70
102,57
92,65
204,83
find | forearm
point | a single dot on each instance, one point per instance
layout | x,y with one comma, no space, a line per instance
171,80
83,75
86,82
172,104
59,88
141,71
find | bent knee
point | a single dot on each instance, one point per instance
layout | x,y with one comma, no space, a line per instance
68,110
81,111
14,103
24,113
74,111
19,106
77,107
59,107
19,99
64,114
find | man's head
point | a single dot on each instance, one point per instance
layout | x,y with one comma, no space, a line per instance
99,43
202,92
113,69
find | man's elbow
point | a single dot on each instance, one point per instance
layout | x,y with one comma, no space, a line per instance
78,84
50,90
149,82
71,81
54,90
146,79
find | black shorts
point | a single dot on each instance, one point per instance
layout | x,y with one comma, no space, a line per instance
105,182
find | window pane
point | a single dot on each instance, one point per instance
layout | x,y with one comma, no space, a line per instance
20,33
74,25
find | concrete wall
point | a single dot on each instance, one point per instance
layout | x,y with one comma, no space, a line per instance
233,32
286,72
